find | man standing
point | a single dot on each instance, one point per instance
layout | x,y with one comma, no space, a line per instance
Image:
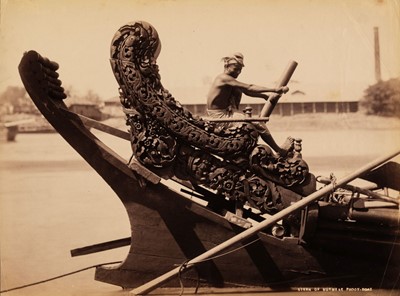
226,92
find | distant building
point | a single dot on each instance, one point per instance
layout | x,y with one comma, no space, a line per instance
289,108
113,107
114,101
90,110
303,99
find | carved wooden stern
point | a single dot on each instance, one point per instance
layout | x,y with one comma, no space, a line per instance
218,169
169,140
167,228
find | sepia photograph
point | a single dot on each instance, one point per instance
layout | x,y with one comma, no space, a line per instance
174,147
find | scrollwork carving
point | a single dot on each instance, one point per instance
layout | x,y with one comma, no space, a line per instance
287,171
151,143
166,136
133,59
226,179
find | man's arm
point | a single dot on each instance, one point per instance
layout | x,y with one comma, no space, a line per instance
262,89
255,94
252,90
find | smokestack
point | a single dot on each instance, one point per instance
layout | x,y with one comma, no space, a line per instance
377,56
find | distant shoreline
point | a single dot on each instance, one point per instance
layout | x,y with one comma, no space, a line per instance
340,121
313,121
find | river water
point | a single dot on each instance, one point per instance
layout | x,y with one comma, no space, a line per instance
52,202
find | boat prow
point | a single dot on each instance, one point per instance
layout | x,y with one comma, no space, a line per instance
170,227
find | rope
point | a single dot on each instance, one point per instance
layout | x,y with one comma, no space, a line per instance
182,267
333,179
187,262
228,252
59,276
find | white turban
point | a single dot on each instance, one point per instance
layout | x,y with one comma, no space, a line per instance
236,58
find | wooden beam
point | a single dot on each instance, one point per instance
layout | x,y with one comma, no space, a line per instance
230,119
91,123
101,247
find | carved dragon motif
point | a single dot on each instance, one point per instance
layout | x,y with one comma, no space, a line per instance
165,136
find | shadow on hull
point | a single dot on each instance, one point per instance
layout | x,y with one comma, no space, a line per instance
168,227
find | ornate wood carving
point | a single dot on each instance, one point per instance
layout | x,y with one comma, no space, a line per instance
169,139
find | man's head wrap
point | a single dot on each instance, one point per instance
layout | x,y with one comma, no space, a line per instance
236,58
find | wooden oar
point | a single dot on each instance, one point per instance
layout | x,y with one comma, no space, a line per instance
153,284
283,81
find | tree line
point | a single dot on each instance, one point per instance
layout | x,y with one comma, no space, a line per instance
17,99
381,98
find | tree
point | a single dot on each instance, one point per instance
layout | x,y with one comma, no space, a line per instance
382,98
18,98
74,97
13,95
91,96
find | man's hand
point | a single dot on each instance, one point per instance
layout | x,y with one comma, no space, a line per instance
282,90
273,99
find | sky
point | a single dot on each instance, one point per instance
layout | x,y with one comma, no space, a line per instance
332,41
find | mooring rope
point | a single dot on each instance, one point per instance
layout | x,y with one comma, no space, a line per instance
187,262
183,266
59,276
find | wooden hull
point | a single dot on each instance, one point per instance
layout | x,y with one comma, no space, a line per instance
168,228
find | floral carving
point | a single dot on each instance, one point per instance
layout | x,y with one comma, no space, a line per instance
164,135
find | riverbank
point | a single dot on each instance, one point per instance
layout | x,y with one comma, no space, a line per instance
317,122
333,121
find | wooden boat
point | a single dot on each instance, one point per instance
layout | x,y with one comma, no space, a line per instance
346,239
8,133
10,129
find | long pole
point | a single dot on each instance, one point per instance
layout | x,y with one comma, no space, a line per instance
283,81
377,55
153,284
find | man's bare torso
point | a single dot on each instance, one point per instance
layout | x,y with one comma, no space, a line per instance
221,95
